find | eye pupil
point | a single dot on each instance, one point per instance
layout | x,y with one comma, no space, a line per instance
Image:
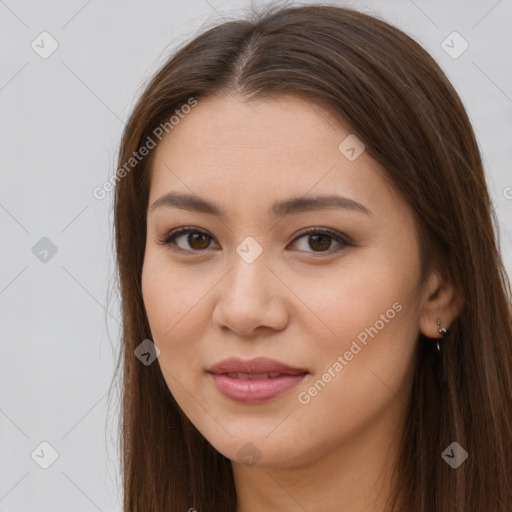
205,238
323,238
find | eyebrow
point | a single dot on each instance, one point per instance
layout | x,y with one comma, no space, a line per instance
277,210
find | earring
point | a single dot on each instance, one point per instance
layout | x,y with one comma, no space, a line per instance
442,331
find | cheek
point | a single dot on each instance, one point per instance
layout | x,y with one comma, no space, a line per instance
172,297
363,293
173,307
366,369
370,319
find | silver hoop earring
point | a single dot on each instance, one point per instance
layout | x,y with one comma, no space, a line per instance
442,331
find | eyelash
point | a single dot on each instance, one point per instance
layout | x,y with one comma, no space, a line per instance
170,238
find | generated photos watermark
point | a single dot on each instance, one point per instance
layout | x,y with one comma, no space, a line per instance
100,193
305,397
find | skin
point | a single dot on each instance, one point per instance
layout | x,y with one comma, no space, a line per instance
294,303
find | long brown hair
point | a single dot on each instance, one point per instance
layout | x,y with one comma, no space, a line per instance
396,99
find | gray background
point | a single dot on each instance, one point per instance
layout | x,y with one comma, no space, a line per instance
60,125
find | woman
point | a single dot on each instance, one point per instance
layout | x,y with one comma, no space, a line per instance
316,314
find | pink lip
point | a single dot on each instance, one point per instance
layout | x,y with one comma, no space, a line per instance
255,390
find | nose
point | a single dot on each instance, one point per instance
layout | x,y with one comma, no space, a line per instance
250,299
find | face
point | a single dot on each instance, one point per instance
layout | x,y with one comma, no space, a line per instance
327,289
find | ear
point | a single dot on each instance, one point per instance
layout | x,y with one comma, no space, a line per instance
440,300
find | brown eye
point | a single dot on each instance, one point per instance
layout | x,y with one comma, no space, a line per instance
190,239
318,240
187,239
198,241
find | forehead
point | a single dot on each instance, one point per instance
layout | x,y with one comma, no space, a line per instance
260,151
231,127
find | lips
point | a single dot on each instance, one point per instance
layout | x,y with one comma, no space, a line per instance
256,366
255,380
240,375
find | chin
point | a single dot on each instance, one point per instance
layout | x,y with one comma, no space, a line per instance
254,451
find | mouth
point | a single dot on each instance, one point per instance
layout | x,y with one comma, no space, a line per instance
254,376
256,380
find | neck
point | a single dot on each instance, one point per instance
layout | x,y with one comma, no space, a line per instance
354,476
